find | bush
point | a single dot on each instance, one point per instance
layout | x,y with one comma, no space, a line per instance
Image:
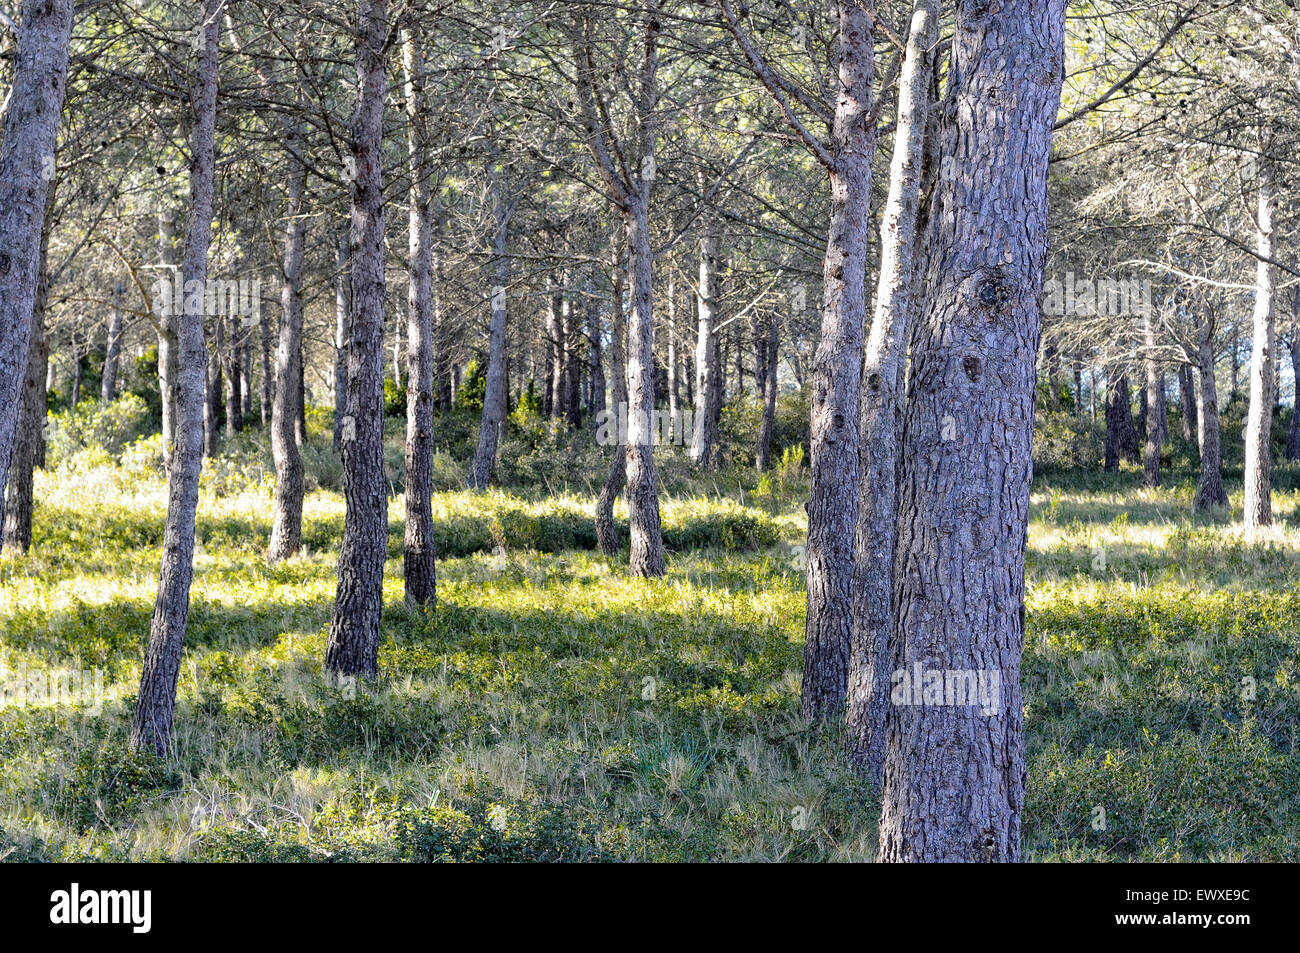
104,427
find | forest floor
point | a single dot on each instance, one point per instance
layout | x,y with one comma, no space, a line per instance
553,708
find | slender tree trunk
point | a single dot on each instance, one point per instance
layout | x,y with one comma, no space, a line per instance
152,724
1187,395
494,398
1257,510
882,407
354,631
954,776
606,530
837,375
596,358
771,361
232,370
1293,434
419,554
1209,489
673,369
708,365
27,150
342,325
212,391
30,436
113,346
268,374
286,527
1155,409
165,309
572,366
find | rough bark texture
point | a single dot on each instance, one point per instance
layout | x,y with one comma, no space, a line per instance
286,527
212,390
152,725
954,777
354,631
1210,493
494,397
31,128
419,553
1121,433
882,406
1257,510
837,374
771,362
29,438
606,530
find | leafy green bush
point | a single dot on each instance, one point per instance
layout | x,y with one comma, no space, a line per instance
103,427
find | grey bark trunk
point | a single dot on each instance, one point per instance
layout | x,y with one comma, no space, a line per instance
494,398
1210,493
286,527
152,725
1257,511
771,362
1187,396
1155,408
212,391
353,647
708,366
342,325
113,346
606,530
954,777
882,406
419,553
31,129
837,375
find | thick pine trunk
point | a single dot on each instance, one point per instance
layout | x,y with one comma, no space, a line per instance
882,407
419,553
31,128
954,777
1210,493
354,630
29,438
152,725
647,543
286,527
1257,511
494,397
708,365
837,375
1187,396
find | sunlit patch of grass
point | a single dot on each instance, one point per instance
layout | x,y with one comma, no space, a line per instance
554,708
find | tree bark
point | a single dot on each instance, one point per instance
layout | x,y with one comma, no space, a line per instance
30,436
419,553
708,366
954,776
286,527
113,346
882,407
353,647
494,397
27,150
212,390
152,725
1210,493
1155,408
837,375
606,531
342,331
771,362
1257,511
1187,396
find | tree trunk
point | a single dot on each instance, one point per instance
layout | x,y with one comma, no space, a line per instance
674,366
268,375
165,310
606,530
572,365
286,527
231,370
1187,395
152,724
597,372
771,361
342,323
882,407
30,436
1209,488
1293,434
837,375
27,150
494,397
212,390
354,631
1257,509
419,553
708,366
954,777
1155,408
113,346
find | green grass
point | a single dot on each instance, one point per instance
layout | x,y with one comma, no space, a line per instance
552,708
